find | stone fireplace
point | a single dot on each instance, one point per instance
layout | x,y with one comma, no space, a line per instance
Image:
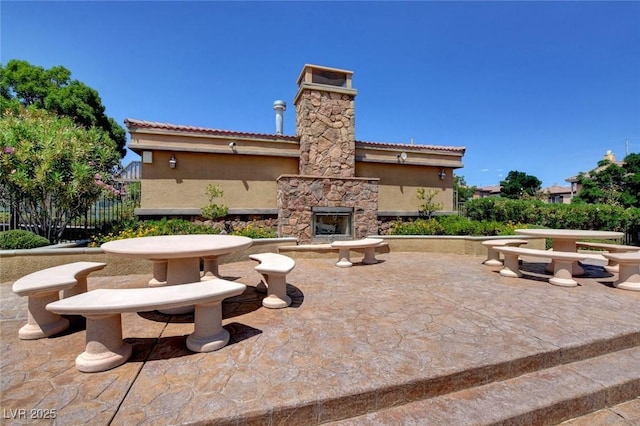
326,200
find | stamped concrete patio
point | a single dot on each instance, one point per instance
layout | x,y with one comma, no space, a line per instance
420,338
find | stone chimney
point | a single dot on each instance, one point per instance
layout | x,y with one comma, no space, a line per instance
326,201
325,122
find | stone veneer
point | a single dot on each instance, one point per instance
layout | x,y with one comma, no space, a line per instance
298,194
326,127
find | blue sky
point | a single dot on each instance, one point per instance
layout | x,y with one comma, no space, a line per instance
545,88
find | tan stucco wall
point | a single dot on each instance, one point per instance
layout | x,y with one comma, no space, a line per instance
398,185
247,181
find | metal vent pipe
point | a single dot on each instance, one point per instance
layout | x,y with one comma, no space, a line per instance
279,106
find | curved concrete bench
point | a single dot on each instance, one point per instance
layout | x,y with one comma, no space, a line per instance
368,244
563,263
274,268
43,287
105,348
493,256
612,265
629,265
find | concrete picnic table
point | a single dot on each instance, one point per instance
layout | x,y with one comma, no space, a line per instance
565,239
176,258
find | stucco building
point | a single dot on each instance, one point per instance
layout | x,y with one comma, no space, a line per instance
320,183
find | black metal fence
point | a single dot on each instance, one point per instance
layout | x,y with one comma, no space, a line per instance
108,211
103,213
632,236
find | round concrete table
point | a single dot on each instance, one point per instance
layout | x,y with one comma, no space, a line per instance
565,239
176,258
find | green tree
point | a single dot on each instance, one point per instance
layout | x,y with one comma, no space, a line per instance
465,192
51,169
428,206
519,185
24,84
612,183
212,210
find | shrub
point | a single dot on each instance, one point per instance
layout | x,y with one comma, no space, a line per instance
568,216
18,239
53,168
254,232
214,211
155,227
428,205
416,227
452,225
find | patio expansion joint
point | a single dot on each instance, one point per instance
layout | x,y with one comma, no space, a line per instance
139,370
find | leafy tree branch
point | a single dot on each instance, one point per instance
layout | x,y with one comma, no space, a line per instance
28,85
51,169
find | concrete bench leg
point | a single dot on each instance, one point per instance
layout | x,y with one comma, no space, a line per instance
562,274
493,257
208,334
276,292
40,322
511,266
629,277
105,348
211,271
343,258
80,287
181,271
369,256
159,273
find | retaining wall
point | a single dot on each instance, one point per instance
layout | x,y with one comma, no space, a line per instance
17,263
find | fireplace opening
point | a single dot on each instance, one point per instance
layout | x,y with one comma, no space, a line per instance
332,223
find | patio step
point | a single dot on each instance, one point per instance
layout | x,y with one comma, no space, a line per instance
544,397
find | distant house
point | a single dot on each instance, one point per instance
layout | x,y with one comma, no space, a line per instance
573,180
129,174
132,172
555,194
487,191
558,194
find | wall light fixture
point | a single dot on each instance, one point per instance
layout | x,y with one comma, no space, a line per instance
173,162
442,174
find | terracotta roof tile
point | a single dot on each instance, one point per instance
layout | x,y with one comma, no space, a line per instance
555,189
490,188
460,149
130,122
